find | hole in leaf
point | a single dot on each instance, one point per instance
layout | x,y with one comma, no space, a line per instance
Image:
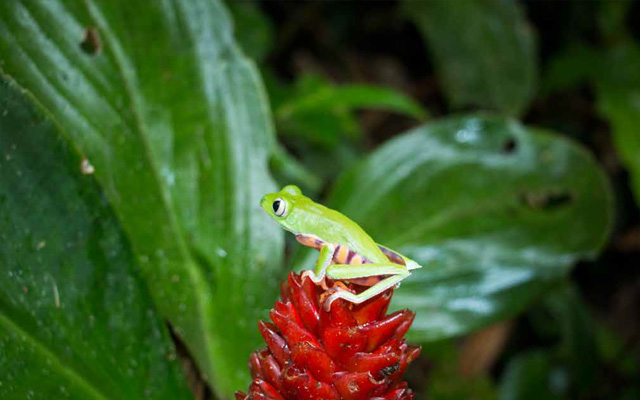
91,43
547,200
509,146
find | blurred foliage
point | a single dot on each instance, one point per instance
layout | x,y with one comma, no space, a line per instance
528,377
254,32
585,356
319,119
503,212
446,381
618,90
484,51
155,127
613,70
323,113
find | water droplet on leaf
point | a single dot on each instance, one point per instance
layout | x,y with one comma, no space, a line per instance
86,168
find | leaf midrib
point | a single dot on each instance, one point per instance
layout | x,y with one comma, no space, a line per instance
119,60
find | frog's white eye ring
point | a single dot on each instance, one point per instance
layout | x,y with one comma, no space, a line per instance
279,207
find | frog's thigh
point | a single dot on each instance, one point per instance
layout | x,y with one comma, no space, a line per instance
350,271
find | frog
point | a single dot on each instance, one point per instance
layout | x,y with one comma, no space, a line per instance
347,252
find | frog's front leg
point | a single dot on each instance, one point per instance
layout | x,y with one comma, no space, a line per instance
324,260
345,272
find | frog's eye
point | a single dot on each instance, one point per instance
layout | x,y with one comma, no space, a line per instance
279,207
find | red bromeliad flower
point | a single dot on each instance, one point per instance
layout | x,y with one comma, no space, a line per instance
353,352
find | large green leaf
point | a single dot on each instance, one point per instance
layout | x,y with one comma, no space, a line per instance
175,122
494,211
76,320
618,89
484,51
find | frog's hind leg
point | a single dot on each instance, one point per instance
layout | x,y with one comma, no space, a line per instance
367,294
398,273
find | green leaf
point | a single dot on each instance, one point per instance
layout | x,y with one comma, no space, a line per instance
323,112
76,320
578,347
290,170
253,29
531,377
612,17
582,347
353,97
175,121
484,52
618,97
494,211
575,65
445,382
612,351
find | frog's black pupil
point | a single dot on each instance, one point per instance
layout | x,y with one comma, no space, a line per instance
276,206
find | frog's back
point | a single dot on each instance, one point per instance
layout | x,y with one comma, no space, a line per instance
353,244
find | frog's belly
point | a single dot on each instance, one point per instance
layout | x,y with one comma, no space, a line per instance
341,254
368,281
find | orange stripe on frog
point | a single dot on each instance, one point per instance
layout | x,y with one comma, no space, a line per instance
340,255
310,241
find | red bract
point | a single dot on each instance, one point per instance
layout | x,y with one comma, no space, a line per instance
353,352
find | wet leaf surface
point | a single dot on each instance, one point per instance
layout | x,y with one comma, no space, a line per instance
76,320
174,121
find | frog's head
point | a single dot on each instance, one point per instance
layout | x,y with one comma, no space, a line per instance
286,207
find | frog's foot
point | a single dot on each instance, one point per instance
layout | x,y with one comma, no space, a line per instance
387,283
328,297
315,279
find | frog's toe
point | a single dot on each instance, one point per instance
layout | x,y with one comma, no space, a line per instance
315,279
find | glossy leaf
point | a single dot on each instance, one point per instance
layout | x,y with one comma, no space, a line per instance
174,120
493,210
76,319
484,51
618,91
